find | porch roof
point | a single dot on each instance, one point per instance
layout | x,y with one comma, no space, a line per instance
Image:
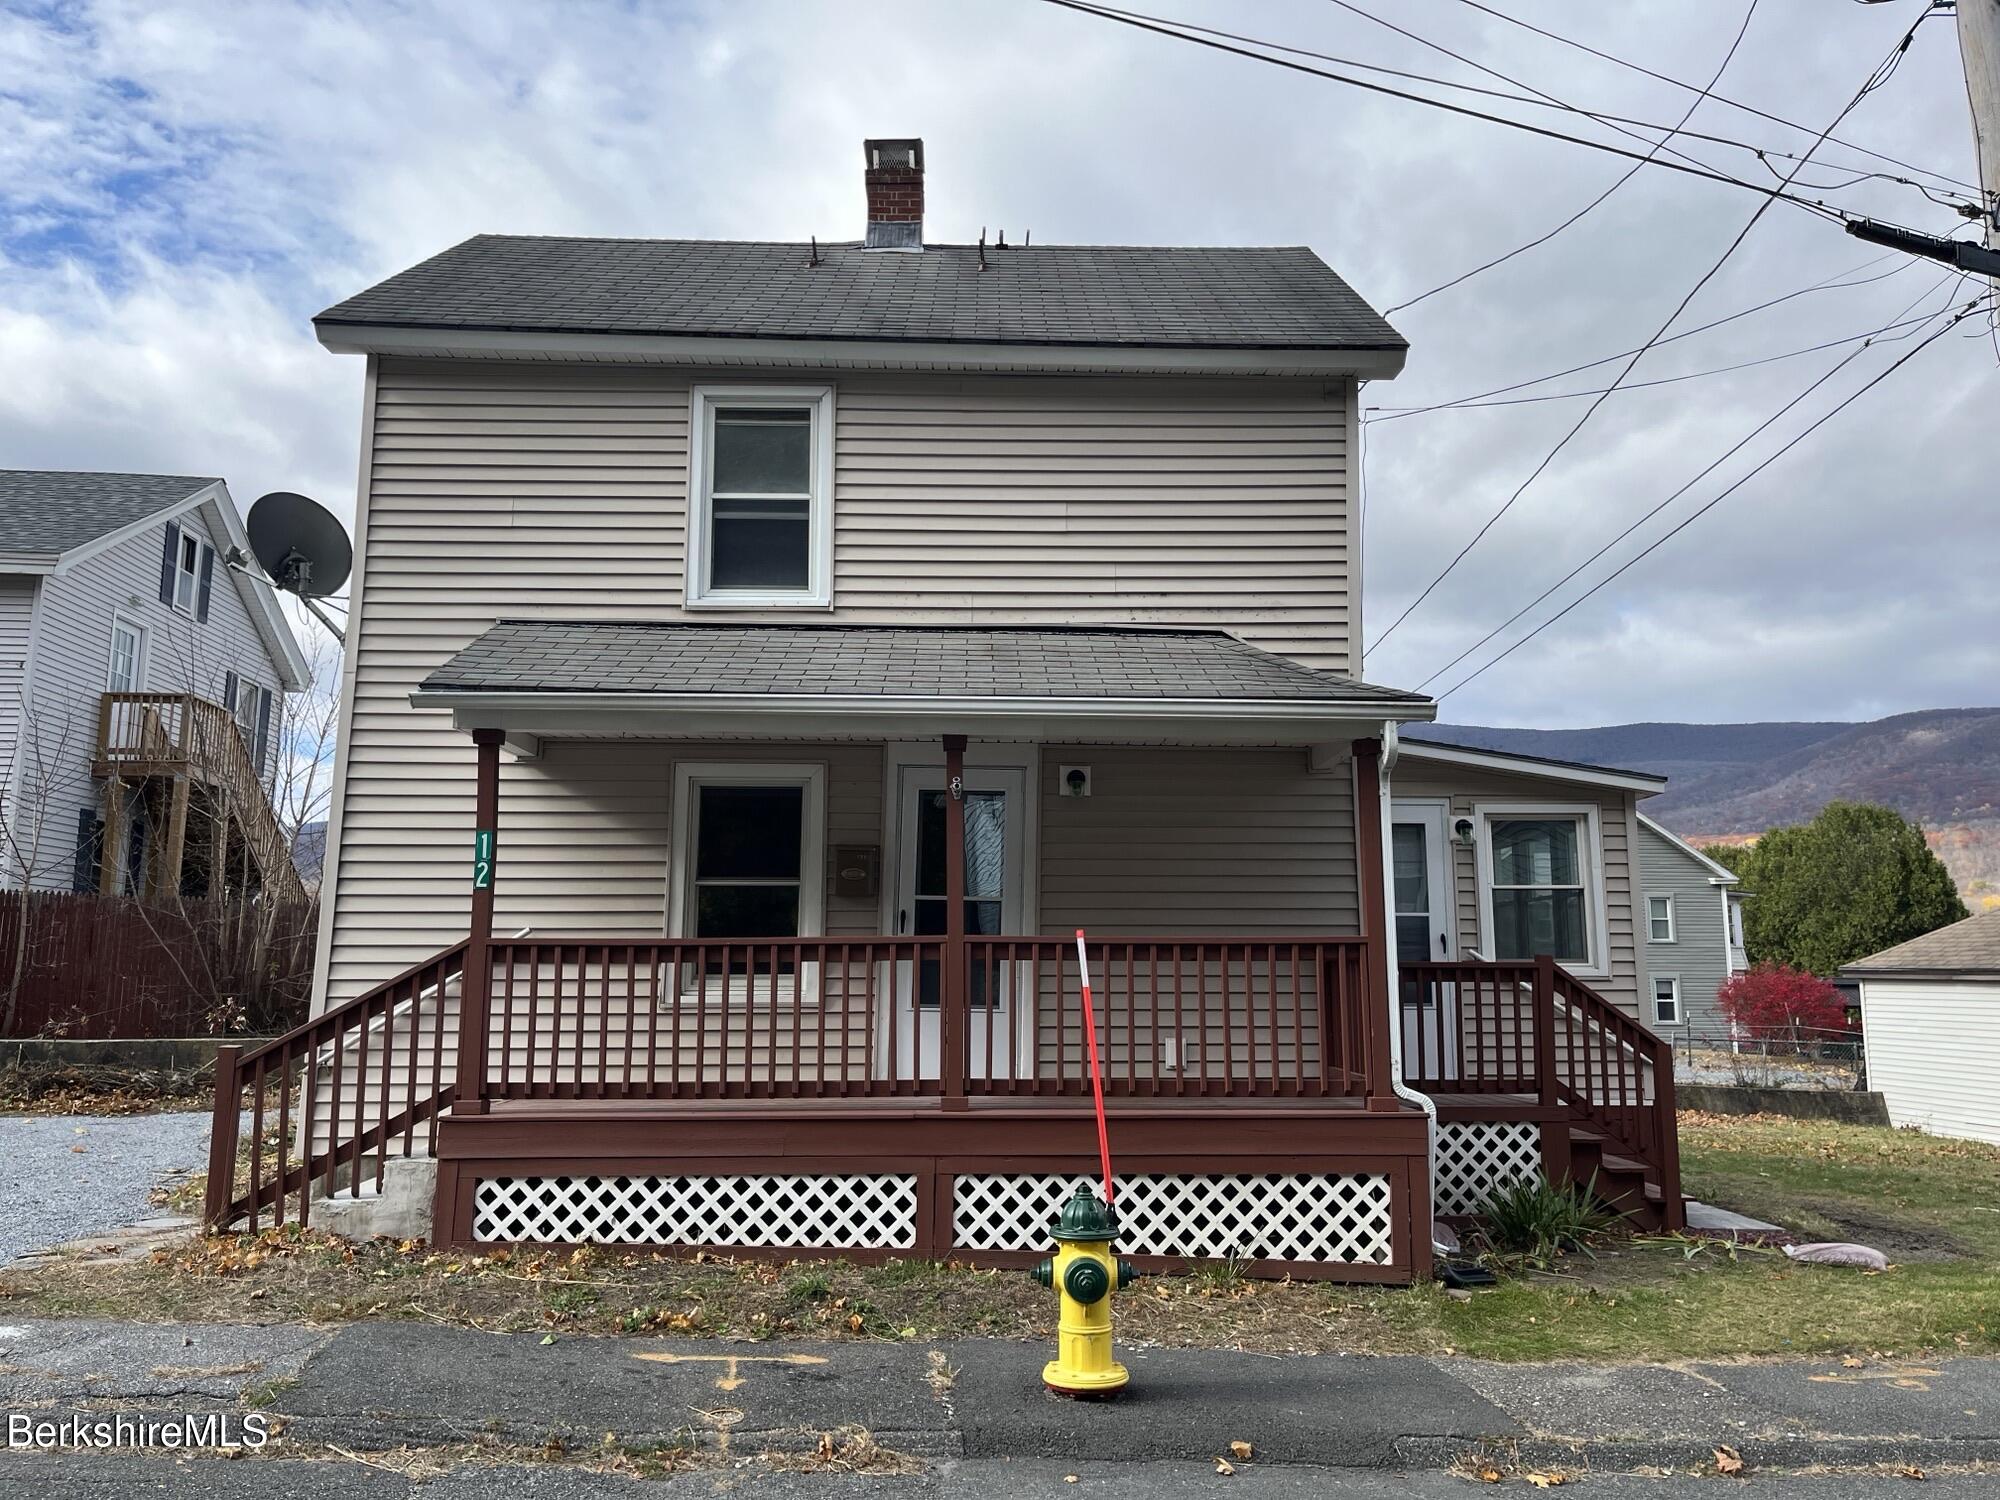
699,677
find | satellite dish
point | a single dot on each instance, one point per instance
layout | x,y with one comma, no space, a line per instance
300,545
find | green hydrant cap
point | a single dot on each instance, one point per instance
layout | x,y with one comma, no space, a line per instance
1086,1217
1086,1280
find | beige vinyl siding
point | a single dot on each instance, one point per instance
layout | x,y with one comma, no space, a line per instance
1933,1051
1465,787
1197,841
72,661
559,491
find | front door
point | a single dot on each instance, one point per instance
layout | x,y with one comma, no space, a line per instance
1419,863
995,826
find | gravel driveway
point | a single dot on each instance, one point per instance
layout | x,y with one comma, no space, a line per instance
50,1191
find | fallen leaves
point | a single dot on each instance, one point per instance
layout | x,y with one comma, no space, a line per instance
1240,1449
1727,1460
1223,1465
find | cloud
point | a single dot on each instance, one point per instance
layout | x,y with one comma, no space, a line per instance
183,185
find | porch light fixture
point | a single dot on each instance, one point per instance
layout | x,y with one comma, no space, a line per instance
1462,830
1076,781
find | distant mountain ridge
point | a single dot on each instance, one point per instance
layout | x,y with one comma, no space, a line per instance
1940,766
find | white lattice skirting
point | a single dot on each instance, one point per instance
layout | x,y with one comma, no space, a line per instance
1476,1156
1331,1218
788,1212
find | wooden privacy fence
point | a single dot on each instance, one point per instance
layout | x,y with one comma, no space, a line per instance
104,966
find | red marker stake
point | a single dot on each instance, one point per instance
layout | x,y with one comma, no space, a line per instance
1096,1072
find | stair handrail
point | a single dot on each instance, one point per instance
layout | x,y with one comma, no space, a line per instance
1658,1148
291,1062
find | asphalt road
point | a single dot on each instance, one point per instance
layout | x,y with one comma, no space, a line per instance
970,1417
66,1176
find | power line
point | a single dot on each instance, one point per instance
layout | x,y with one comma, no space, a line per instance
1683,525
1830,284
1842,363
1681,83
1874,81
1748,364
1630,172
1134,19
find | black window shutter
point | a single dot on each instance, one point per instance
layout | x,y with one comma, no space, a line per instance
169,562
229,681
201,590
263,728
89,848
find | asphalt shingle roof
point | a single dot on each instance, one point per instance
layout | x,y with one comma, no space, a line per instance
1276,298
53,510
1963,947
537,656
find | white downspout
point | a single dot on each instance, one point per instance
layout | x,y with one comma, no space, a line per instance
1385,811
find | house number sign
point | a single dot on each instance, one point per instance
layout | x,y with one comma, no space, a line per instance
482,860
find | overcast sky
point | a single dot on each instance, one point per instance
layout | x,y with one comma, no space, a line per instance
182,186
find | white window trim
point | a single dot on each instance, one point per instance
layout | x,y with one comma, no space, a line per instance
690,775
702,403
188,610
1653,1000
1673,927
1598,966
139,662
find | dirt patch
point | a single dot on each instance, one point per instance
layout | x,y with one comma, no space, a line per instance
1902,1241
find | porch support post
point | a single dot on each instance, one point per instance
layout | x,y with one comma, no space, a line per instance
1378,1005
953,974
1545,1026
469,1091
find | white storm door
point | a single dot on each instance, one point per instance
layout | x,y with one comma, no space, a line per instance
995,852
1419,863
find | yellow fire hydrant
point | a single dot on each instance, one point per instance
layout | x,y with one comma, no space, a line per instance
1085,1272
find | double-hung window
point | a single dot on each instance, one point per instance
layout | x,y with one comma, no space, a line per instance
1659,919
187,573
1666,1000
760,525
748,850
1539,891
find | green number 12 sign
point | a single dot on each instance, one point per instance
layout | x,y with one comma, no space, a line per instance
482,860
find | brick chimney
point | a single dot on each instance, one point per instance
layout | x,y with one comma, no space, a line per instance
895,183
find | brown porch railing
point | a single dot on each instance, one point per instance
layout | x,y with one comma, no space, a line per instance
1177,1017
328,1099
705,1018
1478,1027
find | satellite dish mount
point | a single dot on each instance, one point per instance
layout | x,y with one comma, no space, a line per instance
300,548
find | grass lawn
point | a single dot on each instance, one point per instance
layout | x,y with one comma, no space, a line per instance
1932,1205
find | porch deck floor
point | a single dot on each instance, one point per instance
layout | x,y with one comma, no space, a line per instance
915,1105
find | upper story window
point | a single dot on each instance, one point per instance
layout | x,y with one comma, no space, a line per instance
1659,919
187,572
760,501
128,657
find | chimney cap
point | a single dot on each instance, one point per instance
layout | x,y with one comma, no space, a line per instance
894,151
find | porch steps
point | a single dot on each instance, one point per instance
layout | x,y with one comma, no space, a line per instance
1623,1184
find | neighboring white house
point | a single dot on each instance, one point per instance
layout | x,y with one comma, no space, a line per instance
1691,930
1929,1009
127,648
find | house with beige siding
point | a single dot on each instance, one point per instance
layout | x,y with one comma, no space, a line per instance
780,673
141,689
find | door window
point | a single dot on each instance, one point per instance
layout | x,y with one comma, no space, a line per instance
1411,867
128,653
985,878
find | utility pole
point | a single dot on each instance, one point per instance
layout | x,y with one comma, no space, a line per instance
1979,46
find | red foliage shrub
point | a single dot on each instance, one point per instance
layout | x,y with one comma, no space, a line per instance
1775,1002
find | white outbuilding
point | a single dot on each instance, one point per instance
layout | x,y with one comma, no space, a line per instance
1930,1018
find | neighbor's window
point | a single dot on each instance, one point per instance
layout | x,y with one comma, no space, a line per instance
1540,901
759,523
187,573
1660,919
1667,1000
128,657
